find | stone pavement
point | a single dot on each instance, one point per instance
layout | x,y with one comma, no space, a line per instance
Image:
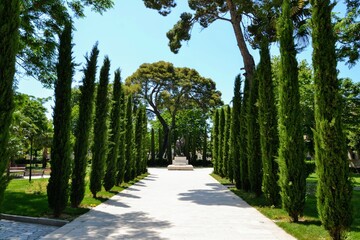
11,230
173,205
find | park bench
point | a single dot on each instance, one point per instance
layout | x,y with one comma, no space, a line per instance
34,172
17,171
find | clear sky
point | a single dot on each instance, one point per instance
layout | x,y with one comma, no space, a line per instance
130,34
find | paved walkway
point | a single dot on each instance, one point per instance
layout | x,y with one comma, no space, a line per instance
173,205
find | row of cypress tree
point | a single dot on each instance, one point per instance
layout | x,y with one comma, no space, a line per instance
9,45
279,133
113,161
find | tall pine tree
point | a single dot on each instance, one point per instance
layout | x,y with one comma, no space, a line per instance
58,187
83,129
292,178
334,189
9,42
269,139
128,154
114,140
235,132
100,130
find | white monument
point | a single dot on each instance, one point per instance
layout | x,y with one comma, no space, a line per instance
180,163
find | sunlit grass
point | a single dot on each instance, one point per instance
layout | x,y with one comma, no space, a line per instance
309,227
30,199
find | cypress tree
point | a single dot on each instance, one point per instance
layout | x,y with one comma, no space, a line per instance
204,149
215,140
334,189
145,145
269,139
253,139
152,148
138,141
292,178
9,41
187,146
168,149
244,173
114,140
58,187
221,141
160,140
230,162
100,130
193,146
82,133
226,143
129,140
120,165
235,132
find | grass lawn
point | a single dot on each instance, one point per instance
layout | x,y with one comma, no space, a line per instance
309,227
30,199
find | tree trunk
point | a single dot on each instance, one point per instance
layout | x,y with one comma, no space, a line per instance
249,64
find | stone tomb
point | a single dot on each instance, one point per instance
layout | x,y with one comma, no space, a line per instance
180,163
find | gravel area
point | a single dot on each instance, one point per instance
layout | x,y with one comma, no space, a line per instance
11,230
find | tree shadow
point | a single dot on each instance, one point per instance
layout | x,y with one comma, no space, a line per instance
122,194
102,225
215,195
310,222
132,189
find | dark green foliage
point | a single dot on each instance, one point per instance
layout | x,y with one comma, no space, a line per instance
193,147
235,132
128,154
40,23
253,138
139,141
160,141
120,165
226,143
58,187
145,145
168,148
82,132
152,145
291,156
9,43
114,140
310,167
204,148
244,174
100,130
221,136
334,189
269,139
215,142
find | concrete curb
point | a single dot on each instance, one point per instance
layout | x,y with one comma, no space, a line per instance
37,220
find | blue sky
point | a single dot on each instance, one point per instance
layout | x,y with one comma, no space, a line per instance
131,34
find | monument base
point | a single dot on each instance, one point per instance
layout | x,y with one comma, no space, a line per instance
180,163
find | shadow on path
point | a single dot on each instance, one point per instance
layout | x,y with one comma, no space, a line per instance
217,195
101,225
